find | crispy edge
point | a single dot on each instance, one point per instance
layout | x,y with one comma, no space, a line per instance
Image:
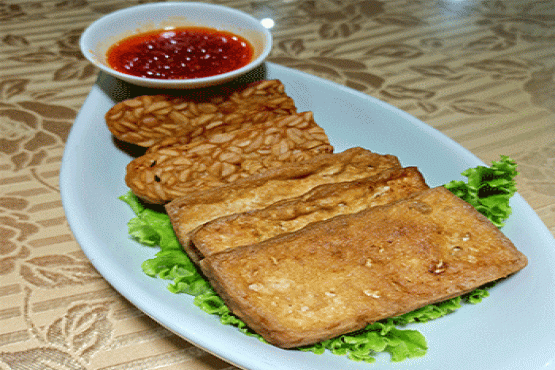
251,224
178,207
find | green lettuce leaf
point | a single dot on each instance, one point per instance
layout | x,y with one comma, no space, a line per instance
153,228
382,336
488,189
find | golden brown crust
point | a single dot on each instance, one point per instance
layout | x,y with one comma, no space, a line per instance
147,119
265,188
223,157
322,202
338,275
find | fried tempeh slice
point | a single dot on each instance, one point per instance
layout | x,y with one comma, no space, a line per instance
147,119
322,202
270,186
336,276
169,173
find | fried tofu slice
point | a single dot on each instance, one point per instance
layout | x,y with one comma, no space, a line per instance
321,203
147,119
337,276
278,183
171,172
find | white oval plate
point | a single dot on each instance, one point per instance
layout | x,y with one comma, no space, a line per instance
512,329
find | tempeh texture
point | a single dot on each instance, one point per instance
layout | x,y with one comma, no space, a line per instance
218,159
147,119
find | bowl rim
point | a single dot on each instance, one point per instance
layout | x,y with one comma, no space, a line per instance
86,48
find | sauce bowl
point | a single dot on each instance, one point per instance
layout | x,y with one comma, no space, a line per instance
110,29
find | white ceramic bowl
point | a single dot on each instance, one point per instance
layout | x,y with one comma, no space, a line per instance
101,34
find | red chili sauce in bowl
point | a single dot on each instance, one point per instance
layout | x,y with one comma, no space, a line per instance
180,53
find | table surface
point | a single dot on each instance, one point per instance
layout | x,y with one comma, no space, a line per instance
482,72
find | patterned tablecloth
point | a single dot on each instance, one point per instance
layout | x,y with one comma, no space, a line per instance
482,72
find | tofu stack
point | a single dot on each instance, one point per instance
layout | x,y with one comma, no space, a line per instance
301,243
338,275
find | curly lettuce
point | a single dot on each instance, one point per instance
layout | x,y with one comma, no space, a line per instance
153,228
488,189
